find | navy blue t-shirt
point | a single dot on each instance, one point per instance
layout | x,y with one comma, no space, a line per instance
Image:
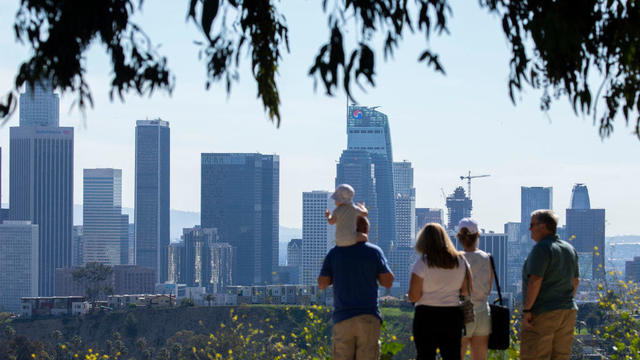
354,273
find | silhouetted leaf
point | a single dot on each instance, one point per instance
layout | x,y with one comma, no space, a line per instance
209,12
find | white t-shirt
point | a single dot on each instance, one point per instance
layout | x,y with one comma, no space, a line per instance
440,287
481,277
346,216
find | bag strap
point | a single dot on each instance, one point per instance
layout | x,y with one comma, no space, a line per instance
495,275
466,274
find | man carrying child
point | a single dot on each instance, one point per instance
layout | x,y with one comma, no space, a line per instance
354,267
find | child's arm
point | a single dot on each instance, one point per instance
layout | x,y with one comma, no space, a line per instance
362,237
363,209
330,219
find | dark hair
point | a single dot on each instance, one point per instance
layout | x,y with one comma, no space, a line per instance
547,217
468,240
362,225
436,248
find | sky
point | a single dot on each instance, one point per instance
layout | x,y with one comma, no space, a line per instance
444,125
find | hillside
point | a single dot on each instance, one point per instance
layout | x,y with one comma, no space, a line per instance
157,326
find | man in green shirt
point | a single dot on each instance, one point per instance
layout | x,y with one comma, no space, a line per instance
549,284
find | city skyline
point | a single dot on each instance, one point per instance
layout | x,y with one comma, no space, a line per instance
429,113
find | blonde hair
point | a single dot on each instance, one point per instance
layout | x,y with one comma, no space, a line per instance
436,248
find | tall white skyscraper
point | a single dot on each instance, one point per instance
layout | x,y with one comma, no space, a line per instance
405,203
105,228
514,267
18,263
41,180
317,235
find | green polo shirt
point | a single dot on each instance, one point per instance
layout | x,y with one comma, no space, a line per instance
556,262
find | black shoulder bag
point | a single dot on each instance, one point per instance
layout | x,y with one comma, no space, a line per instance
500,327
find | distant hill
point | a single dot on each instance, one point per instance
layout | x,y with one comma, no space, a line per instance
622,239
186,219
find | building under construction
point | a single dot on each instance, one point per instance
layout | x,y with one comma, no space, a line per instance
458,206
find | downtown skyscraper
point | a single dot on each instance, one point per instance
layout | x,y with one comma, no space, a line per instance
204,260
580,197
41,179
4,213
585,231
18,263
240,196
356,169
317,235
458,206
531,199
405,195
152,196
368,132
105,236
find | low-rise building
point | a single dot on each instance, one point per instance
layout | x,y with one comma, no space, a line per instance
274,294
151,300
53,306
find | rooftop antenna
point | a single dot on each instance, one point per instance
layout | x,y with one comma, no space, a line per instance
469,177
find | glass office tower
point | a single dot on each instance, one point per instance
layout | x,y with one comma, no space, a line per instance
152,196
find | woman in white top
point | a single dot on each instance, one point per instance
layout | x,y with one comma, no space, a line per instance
437,280
477,332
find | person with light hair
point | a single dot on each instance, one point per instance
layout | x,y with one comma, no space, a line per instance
476,332
438,278
549,285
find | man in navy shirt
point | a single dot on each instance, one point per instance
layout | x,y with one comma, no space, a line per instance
355,272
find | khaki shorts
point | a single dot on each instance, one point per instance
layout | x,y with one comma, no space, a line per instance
357,338
550,337
481,325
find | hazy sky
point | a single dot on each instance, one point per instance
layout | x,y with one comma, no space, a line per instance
444,125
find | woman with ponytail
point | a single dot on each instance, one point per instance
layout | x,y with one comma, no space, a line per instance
476,332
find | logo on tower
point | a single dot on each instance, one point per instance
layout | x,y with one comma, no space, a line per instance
357,114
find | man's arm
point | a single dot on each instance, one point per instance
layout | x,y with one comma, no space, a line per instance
386,279
533,289
324,282
326,273
576,282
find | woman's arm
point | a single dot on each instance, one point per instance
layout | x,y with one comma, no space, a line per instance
415,288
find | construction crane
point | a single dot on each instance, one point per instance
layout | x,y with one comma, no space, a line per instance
469,177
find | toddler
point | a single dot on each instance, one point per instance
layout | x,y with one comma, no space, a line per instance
346,217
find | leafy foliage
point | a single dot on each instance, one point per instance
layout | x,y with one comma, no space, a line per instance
60,32
95,276
555,46
619,333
